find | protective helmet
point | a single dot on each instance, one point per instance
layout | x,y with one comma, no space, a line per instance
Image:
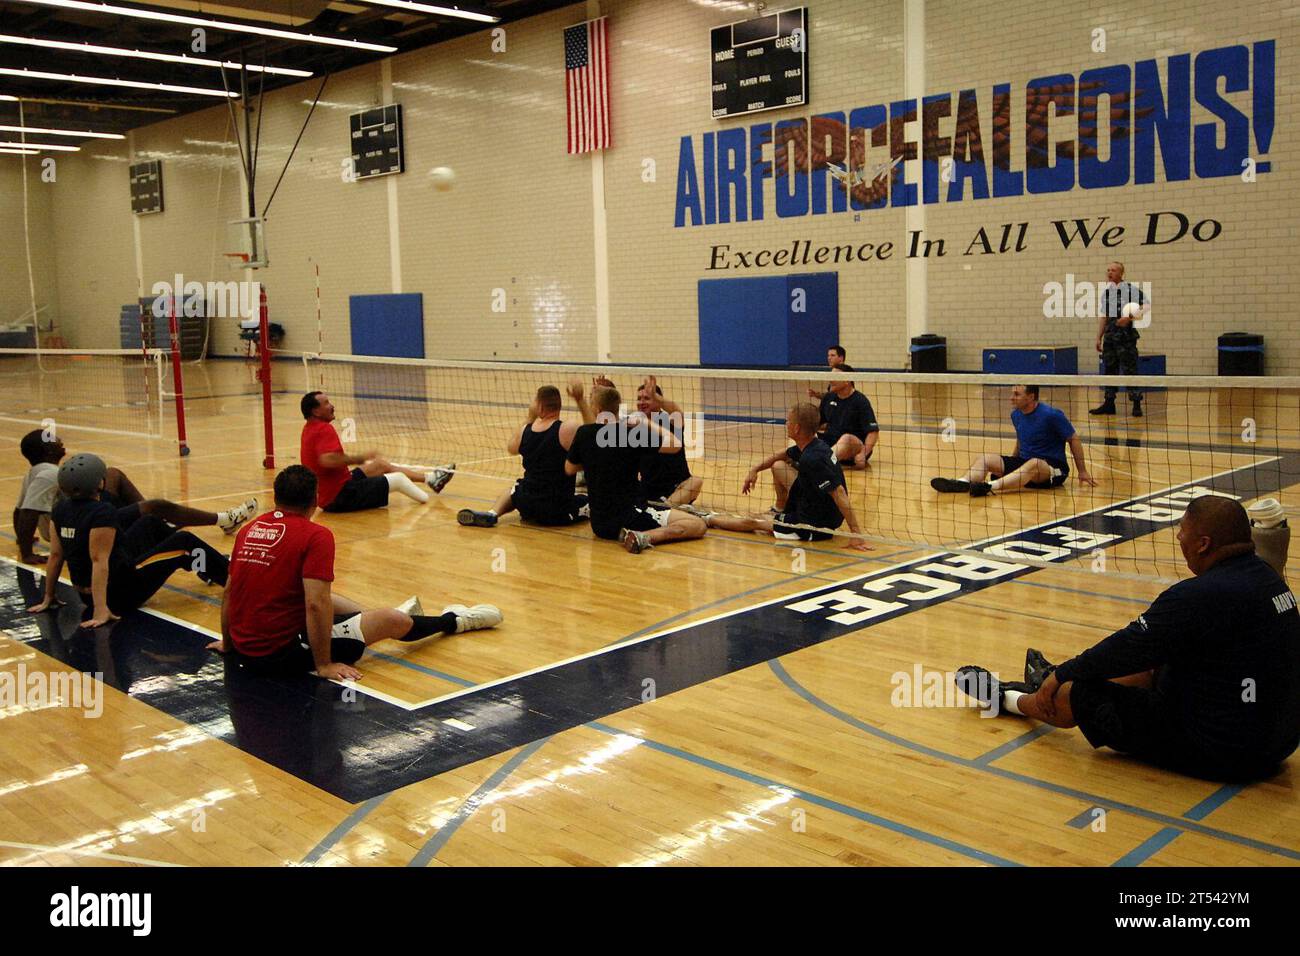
80,475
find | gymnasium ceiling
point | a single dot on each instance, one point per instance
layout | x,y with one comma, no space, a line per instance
64,104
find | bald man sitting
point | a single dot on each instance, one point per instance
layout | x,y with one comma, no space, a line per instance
1205,682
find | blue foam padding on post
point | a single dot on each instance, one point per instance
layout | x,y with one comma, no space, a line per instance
389,325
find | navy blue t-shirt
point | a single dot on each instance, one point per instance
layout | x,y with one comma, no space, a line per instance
1042,433
74,519
1225,646
810,500
847,416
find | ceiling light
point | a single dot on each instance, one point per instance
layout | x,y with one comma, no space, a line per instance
60,149
434,8
60,132
148,55
230,25
109,81
19,152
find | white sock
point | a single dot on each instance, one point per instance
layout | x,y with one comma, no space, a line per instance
399,482
1011,701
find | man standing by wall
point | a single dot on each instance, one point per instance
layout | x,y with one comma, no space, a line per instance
1116,337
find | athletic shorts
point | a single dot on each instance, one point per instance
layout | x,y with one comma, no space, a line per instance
781,528
1060,471
640,518
128,516
346,647
1138,722
360,493
547,509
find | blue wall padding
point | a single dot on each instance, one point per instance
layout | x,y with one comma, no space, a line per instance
391,325
752,321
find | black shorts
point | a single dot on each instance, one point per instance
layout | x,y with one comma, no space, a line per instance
640,518
128,516
547,509
360,493
781,528
1137,721
295,657
1011,462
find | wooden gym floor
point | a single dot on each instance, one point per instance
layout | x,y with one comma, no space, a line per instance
800,759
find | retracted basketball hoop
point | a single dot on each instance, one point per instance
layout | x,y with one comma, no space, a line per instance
247,242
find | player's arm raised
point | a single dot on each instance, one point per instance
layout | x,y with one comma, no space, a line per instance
668,442
579,397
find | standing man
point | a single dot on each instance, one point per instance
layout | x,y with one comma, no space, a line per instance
1116,337
810,489
278,615
366,486
545,494
1038,460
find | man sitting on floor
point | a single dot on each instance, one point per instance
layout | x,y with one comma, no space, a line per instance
1206,681
1038,460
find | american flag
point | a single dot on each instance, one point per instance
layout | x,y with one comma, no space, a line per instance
586,85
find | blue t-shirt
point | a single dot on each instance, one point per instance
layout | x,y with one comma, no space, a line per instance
1043,432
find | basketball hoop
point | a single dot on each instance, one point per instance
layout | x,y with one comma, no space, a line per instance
238,260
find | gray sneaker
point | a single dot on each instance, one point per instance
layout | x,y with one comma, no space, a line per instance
635,541
438,478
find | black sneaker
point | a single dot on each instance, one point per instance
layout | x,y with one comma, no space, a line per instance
979,683
1037,667
476,519
1105,408
1137,408
438,478
950,485
979,489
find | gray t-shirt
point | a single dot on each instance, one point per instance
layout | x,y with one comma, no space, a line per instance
38,488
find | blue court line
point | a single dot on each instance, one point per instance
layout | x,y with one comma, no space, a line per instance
1154,844
1096,594
1148,847
1028,737
1094,799
359,813
471,804
769,784
1085,818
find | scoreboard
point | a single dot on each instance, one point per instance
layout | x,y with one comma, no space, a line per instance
146,187
377,142
760,64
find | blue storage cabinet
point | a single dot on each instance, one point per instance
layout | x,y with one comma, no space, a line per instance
1033,360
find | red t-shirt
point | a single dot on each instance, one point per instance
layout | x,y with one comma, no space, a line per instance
272,555
320,438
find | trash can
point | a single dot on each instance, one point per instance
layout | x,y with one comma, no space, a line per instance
1241,353
929,353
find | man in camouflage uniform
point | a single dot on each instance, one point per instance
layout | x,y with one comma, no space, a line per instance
1116,336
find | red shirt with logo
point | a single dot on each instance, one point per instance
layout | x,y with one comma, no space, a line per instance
320,438
272,555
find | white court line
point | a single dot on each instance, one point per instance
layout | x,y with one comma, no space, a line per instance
40,848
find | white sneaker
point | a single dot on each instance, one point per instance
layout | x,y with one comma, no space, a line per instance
411,606
474,618
237,516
